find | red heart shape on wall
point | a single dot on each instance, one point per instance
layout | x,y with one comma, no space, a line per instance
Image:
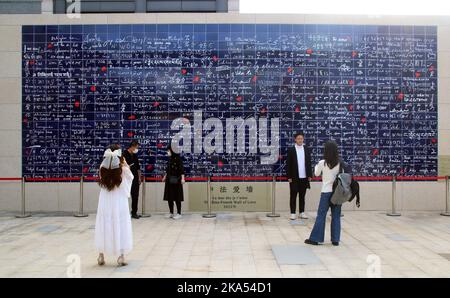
363,119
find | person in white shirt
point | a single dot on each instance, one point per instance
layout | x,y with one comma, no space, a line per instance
328,168
299,173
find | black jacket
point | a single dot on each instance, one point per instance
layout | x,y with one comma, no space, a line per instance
292,165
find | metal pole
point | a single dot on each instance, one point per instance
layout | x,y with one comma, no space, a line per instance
23,214
394,195
273,214
81,210
208,197
143,214
447,197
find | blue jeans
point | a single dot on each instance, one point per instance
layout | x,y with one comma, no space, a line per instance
318,231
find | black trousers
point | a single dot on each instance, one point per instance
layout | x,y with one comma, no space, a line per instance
298,186
178,203
134,196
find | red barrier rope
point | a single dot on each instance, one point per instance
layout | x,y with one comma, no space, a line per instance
196,179
225,178
233,178
53,179
415,178
91,178
153,178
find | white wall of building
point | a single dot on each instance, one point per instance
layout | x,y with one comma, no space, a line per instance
64,196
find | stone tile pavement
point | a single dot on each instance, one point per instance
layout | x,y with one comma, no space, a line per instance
232,245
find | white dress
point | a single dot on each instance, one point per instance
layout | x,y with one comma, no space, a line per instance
113,233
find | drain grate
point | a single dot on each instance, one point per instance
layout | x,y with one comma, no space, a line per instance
297,222
397,237
47,228
294,255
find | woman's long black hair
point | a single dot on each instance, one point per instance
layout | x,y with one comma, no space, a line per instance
111,178
331,154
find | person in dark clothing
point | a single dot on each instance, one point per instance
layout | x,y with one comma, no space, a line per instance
174,180
299,173
132,159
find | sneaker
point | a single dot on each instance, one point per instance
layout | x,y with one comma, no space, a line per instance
170,215
335,243
303,215
293,216
178,216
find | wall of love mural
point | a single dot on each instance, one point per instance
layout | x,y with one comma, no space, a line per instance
373,89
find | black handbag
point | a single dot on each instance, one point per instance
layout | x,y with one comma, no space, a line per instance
174,179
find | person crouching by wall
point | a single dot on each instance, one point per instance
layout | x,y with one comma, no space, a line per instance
328,168
174,180
113,233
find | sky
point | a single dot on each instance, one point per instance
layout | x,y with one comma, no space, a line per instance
351,7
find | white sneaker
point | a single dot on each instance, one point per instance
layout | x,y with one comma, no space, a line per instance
170,215
178,216
303,215
293,216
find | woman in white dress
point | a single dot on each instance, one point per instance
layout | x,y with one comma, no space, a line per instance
113,234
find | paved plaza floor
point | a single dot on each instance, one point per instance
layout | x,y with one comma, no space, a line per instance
417,244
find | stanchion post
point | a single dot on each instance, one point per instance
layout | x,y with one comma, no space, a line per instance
394,196
143,214
447,197
23,213
274,182
81,209
208,197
